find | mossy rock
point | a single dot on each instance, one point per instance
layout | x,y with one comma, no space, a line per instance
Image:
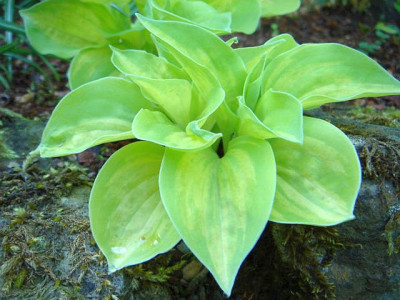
48,252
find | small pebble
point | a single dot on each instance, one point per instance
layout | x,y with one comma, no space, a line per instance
24,98
191,270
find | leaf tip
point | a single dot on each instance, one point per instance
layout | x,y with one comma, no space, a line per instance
113,49
142,19
226,285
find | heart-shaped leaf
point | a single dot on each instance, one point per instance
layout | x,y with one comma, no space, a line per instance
91,115
63,28
220,206
318,181
323,73
128,220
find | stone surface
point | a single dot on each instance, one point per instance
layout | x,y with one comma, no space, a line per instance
370,269
18,137
47,246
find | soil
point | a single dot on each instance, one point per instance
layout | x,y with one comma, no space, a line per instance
34,97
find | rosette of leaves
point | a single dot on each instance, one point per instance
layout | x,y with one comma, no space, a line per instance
84,29
225,146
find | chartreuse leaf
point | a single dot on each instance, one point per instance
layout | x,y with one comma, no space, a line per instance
282,113
172,95
245,13
63,28
226,123
232,41
127,217
205,84
165,84
97,112
204,48
272,48
256,59
91,64
207,93
164,52
270,8
252,85
318,181
136,37
184,108
196,12
276,114
220,206
143,64
122,5
156,127
322,73
159,82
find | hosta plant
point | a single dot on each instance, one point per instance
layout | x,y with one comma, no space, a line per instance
85,29
224,144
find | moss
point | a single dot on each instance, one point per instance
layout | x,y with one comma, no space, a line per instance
5,151
388,116
158,274
20,278
33,245
381,160
302,253
392,233
47,250
290,262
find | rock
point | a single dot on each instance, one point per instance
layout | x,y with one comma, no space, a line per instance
191,270
370,269
18,137
77,200
50,250
24,98
152,292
